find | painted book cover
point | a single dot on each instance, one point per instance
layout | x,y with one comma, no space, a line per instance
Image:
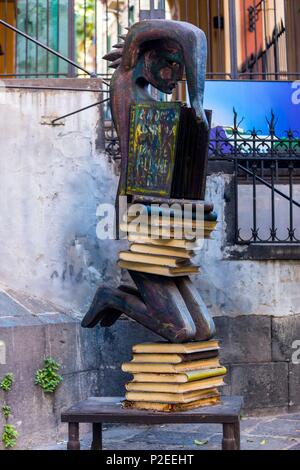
152,148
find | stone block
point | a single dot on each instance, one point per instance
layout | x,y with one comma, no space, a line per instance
25,350
32,412
75,387
226,389
294,385
261,385
8,307
19,321
116,342
36,414
74,347
55,318
285,330
28,339
32,304
112,381
244,339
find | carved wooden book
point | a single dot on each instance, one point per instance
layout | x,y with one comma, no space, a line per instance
168,149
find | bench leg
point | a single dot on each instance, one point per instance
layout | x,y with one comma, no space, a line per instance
97,437
237,434
73,441
229,437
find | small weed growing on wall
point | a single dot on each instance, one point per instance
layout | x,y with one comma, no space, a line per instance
9,436
47,377
7,382
6,411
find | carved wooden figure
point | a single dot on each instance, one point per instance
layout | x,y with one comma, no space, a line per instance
156,53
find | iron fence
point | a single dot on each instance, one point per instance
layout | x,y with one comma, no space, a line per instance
235,143
266,182
268,200
246,38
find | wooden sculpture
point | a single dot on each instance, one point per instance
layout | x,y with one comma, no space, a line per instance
156,53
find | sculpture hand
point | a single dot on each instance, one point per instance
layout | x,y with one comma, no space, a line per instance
200,114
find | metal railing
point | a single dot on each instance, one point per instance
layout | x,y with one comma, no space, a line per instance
272,57
276,222
246,39
48,49
266,182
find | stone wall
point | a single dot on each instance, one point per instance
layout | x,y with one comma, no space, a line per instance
32,329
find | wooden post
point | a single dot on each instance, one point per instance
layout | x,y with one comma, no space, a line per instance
292,14
97,437
229,437
71,37
73,442
237,434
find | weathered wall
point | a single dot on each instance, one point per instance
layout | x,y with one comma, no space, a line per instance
32,329
240,287
51,181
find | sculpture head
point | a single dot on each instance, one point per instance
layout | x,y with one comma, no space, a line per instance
160,64
155,52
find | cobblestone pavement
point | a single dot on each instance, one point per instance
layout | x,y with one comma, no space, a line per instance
259,433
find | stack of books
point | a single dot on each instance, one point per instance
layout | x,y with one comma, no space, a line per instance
174,377
165,245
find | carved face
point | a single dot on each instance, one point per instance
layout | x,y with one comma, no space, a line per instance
163,66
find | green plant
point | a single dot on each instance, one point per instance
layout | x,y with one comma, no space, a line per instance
6,411
9,436
47,377
200,443
7,382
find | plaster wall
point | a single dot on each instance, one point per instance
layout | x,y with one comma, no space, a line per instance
52,180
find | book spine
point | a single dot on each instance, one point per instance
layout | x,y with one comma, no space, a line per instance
199,356
129,177
140,199
201,157
205,374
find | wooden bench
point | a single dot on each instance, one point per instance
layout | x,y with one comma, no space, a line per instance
100,411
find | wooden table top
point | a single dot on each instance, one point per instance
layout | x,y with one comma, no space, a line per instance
109,410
